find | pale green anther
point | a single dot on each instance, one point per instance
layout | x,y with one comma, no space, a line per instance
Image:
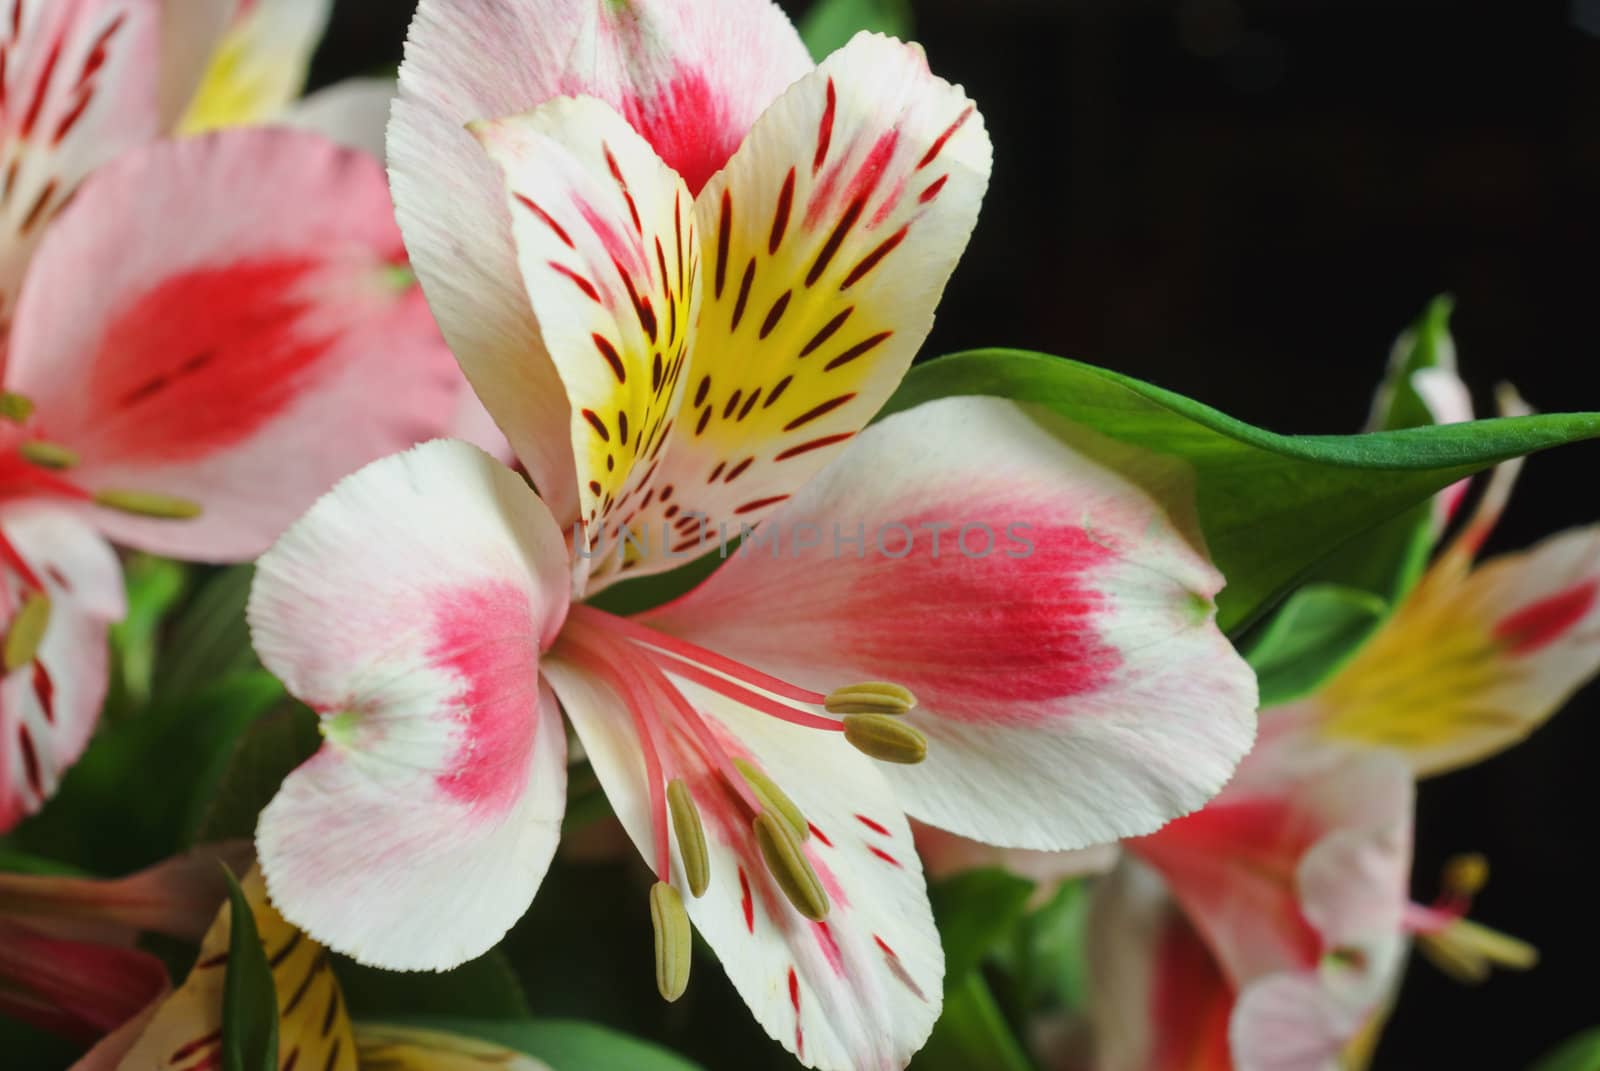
674,943
772,797
27,630
691,837
47,455
885,739
15,407
786,860
149,504
873,697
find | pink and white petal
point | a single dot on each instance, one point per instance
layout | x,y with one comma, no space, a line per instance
49,706
828,241
692,78
1073,685
944,854
860,989
1159,999
1304,855
409,608
1473,661
1291,1021
607,248
472,423
80,80
354,113
260,66
249,291
176,897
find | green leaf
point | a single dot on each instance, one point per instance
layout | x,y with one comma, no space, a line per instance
1271,506
975,911
971,1033
565,1044
1049,960
1318,629
829,24
249,999
1580,1053
1390,559
260,760
154,587
209,639
487,987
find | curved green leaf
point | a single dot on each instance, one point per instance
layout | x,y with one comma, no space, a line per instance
566,1045
1318,629
829,24
1271,506
249,998
971,1033
486,987
1580,1053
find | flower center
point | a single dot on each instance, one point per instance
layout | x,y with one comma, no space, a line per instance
1463,949
680,743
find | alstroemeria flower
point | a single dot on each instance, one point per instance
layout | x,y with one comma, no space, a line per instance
183,1031
192,362
67,961
1292,886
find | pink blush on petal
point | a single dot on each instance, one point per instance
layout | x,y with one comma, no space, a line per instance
1544,622
980,639
484,638
688,125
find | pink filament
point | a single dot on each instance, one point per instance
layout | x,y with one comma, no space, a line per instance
689,652
743,696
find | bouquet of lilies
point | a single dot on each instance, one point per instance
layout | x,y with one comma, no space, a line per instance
595,624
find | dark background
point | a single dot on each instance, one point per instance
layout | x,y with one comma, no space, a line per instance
1245,202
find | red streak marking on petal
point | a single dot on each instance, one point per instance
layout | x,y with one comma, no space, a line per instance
30,761
780,217
205,359
860,348
874,826
212,962
760,503
815,832
814,444
583,284
748,902
777,391
944,139
829,946
483,636
825,129
881,854
1544,622
874,258
885,946
933,189
44,690
612,357
64,127
818,411
874,167
31,118
36,213
828,330
738,470
195,1046
835,240
775,314
724,237
744,293
548,219
622,184
597,424
794,1000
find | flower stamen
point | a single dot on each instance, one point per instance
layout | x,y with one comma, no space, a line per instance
872,697
773,798
786,861
148,504
691,837
673,941
47,455
885,738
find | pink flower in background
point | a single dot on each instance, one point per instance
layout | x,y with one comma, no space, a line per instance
665,331
216,331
